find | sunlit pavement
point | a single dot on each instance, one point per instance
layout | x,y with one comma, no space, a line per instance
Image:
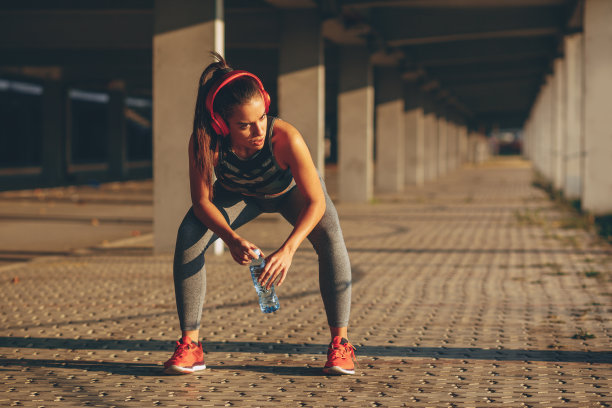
470,291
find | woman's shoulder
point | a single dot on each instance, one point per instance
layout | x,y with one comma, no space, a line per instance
284,132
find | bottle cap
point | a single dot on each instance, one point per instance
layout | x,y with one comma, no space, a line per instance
257,252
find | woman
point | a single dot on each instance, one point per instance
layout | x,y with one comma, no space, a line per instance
262,164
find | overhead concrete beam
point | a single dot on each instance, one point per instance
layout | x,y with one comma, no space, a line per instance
253,28
509,95
336,31
482,50
399,26
76,29
357,4
293,4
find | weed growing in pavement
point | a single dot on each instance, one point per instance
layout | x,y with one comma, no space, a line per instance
530,217
592,274
583,334
575,216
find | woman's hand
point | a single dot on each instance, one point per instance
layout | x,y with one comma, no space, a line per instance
277,266
242,250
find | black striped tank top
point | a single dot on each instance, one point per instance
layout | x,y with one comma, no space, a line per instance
259,175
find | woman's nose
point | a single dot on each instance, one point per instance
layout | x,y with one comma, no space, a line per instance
259,129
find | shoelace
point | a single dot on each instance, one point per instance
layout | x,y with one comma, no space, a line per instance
342,350
181,349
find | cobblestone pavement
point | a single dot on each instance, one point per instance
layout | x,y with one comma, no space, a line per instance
471,291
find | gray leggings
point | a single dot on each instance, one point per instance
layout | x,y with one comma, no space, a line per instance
194,239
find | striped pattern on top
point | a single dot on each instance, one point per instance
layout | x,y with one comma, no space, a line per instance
259,175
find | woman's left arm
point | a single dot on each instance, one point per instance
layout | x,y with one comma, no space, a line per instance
291,151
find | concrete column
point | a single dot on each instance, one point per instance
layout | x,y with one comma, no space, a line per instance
526,137
355,125
185,30
53,136
414,116
546,129
301,80
537,132
452,144
390,134
117,149
463,143
574,117
473,147
442,142
558,124
431,141
597,188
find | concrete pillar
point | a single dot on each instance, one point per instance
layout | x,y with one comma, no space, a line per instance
526,137
185,30
53,133
452,145
390,134
301,79
355,125
537,132
473,147
558,124
597,188
431,141
574,117
415,134
117,149
463,143
442,142
546,129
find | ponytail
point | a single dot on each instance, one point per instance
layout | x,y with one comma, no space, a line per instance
204,137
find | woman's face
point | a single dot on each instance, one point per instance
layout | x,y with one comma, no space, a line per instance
247,125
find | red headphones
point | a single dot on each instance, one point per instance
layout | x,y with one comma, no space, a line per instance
218,124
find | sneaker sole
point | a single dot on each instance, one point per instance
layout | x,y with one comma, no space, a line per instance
338,370
177,370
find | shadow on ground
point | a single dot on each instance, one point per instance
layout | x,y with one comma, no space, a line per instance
464,353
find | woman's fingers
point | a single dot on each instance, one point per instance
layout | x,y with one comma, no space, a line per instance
275,271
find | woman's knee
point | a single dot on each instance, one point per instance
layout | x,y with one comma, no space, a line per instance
327,231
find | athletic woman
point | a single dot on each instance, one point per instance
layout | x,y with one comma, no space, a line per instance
261,164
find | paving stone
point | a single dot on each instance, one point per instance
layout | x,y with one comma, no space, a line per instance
466,292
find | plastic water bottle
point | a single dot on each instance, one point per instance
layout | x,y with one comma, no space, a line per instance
268,302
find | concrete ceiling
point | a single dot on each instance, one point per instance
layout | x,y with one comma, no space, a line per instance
487,57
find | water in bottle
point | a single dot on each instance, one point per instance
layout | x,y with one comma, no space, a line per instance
268,302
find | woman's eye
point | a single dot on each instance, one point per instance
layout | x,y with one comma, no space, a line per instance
244,126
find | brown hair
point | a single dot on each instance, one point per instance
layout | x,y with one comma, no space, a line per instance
237,92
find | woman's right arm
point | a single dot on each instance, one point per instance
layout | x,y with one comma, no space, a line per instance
211,217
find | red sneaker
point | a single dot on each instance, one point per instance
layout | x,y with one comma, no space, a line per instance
340,357
188,357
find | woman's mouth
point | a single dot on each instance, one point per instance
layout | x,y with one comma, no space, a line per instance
258,141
